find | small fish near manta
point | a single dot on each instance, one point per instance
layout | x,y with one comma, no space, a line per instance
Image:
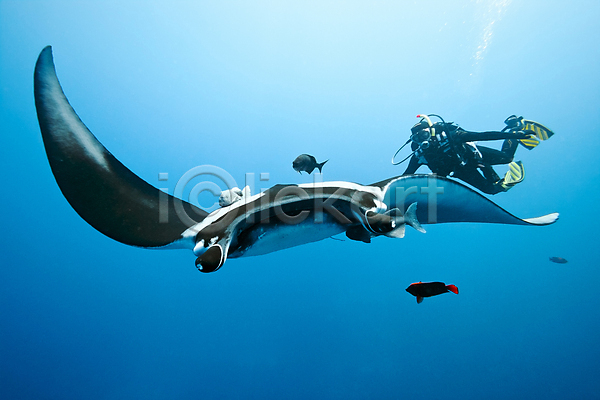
558,260
307,163
429,289
121,205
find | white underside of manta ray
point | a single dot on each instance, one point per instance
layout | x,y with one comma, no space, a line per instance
124,207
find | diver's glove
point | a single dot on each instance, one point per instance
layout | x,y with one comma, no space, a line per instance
523,135
514,123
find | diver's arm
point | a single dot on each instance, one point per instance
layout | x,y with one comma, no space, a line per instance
466,136
413,166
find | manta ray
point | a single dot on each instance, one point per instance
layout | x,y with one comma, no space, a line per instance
124,207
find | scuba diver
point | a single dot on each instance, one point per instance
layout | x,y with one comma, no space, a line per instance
449,150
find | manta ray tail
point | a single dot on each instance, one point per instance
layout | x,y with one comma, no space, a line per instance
104,192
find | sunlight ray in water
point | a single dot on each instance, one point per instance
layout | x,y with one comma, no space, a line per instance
491,12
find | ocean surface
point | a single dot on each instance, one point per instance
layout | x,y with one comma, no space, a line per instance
168,86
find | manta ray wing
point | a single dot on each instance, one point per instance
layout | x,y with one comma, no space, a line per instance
102,191
442,200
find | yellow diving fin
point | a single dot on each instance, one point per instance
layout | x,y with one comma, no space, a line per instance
538,131
514,175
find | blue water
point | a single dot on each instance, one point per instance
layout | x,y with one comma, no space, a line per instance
247,86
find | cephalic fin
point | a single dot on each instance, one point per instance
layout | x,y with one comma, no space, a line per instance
211,260
215,256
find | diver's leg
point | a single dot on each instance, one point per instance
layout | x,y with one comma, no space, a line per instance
516,172
509,147
474,178
489,173
491,156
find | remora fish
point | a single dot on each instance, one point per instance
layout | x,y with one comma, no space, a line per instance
428,289
307,163
121,205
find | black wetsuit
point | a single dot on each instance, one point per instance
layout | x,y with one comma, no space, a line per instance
449,153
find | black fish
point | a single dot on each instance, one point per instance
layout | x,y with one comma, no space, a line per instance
307,163
558,260
428,289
